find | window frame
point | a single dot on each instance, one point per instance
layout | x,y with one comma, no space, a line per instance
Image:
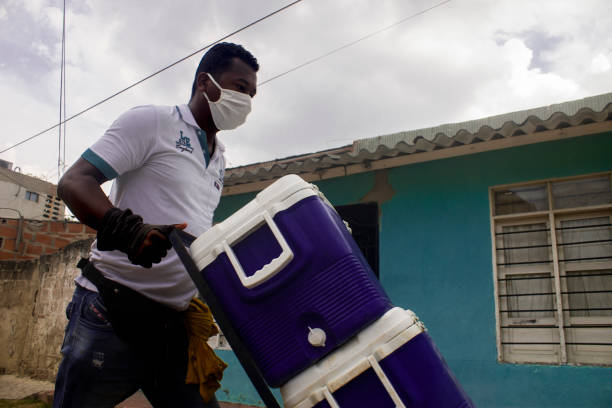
561,319
29,194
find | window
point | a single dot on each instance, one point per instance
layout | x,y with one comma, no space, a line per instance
32,196
552,244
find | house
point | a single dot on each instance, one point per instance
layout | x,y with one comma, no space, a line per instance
32,221
28,197
496,232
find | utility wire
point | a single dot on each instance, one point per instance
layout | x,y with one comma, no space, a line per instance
64,63
62,98
225,37
365,37
152,75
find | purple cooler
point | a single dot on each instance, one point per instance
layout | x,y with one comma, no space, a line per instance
290,278
392,363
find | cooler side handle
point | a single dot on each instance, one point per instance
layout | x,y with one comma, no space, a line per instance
268,270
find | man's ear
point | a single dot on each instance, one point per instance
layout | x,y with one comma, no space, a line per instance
202,80
207,85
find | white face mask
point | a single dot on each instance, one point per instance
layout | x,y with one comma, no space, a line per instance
232,108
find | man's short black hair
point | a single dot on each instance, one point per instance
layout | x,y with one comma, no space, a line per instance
218,59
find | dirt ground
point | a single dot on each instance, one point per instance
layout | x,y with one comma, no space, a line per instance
14,392
13,387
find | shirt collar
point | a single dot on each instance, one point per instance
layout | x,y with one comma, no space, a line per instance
187,116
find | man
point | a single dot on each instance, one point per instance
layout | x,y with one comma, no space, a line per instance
125,329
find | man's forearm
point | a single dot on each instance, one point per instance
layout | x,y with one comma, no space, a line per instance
84,196
144,244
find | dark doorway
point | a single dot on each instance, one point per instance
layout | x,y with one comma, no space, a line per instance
363,220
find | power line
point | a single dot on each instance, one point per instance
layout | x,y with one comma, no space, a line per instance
48,175
365,37
64,63
152,75
62,98
335,50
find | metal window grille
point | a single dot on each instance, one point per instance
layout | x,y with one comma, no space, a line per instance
552,244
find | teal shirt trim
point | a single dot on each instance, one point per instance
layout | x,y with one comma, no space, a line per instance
201,137
99,164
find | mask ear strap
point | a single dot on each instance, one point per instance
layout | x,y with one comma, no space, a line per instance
214,82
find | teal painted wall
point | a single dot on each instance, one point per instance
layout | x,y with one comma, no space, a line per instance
437,262
236,386
435,259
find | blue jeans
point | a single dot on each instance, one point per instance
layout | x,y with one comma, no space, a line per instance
99,370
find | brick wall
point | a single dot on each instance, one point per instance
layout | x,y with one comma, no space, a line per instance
35,237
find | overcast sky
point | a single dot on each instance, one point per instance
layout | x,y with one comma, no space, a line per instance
464,60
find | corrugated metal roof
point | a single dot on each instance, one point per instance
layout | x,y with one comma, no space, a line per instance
594,103
569,114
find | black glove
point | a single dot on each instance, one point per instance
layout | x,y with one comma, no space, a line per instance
125,231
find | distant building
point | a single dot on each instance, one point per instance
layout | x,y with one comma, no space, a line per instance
28,197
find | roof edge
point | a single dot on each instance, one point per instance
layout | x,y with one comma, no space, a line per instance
531,125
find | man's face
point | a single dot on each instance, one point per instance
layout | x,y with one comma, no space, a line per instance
238,77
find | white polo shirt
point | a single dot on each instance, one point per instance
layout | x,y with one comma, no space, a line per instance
155,155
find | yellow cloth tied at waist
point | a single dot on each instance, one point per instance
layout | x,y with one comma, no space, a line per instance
204,367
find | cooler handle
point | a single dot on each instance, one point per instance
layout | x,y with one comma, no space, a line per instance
268,270
330,398
385,382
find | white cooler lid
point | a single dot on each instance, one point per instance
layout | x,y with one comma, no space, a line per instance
279,196
394,329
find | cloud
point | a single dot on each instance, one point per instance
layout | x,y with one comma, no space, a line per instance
26,42
527,82
600,64
460,61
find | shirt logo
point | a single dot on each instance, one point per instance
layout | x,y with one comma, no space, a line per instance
184,143
219,181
